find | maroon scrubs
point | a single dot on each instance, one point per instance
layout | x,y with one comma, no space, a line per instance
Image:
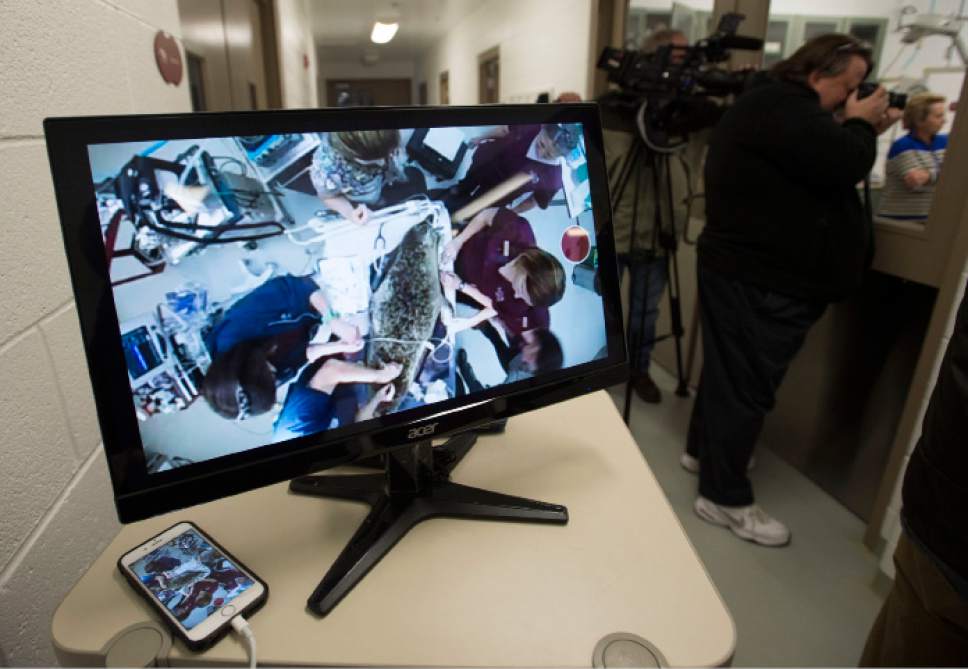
497,160
485,253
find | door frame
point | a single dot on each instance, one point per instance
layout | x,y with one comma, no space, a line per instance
443,88
270,53
949,213
494,53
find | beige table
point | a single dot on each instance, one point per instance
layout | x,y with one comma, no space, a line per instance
456,592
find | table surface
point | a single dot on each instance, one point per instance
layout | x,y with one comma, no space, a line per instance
455,592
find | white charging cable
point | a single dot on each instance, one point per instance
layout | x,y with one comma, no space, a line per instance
241,626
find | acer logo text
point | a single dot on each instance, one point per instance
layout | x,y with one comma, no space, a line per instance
423,431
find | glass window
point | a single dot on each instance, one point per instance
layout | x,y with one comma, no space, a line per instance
775,46
692,17
813,29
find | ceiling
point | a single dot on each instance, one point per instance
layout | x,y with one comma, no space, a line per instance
342,27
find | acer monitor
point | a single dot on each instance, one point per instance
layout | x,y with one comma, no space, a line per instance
266,295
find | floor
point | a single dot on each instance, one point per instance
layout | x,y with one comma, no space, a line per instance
808,604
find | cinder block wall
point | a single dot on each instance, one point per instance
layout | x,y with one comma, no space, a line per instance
60,57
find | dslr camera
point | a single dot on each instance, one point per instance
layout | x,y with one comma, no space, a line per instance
896,100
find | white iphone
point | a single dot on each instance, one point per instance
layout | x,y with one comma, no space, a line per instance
195,584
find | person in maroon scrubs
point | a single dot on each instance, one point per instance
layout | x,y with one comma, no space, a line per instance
506,151
497,253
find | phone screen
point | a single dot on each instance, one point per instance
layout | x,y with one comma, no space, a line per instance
191,578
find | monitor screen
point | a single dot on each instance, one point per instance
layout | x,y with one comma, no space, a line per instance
307,280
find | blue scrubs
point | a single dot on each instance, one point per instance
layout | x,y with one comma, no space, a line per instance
308,411
277,307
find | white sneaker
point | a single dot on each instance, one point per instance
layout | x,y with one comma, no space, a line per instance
691,464
747,522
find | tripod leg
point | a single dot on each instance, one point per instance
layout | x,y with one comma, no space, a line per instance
672,272
675,312
632,338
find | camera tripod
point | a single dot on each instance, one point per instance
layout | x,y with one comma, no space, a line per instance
664,238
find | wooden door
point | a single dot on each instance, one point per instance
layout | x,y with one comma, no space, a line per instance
489,77
240,73
445,88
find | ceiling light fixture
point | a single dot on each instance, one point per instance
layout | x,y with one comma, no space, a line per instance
383,32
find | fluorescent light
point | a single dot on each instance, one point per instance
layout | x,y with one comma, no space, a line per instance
383,32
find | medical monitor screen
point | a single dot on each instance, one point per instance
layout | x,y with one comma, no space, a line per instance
269,287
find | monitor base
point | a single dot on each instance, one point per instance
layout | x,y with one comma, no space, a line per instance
415,486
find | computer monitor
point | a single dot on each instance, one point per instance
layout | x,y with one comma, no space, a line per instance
265,295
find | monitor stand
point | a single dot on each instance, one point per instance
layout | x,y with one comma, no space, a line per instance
415,486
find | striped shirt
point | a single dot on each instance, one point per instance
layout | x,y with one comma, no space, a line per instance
898,202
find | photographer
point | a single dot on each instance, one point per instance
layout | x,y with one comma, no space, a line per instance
786,234
648,269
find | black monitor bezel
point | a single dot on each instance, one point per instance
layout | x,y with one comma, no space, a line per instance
140,495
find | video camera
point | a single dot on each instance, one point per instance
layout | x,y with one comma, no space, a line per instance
678,70
671,88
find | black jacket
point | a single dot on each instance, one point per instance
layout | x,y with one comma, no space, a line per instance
782,208
935,492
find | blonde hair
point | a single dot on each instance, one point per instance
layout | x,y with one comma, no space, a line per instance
918,107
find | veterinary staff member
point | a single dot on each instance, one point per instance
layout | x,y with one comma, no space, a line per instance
497,252
350,170
263,340
507,151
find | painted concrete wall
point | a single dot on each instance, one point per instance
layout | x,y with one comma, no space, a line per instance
297,54
56,498
545,45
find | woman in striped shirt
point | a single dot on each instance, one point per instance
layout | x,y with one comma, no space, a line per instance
914,161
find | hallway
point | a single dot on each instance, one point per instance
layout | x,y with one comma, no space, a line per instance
824,584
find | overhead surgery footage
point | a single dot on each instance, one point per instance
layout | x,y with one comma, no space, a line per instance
275,286
191,578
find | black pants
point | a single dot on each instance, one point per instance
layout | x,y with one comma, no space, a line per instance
749,336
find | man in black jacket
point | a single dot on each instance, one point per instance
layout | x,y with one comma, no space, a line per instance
786,234
924,621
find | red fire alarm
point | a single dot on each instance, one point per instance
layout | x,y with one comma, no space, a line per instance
305,62
168,57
